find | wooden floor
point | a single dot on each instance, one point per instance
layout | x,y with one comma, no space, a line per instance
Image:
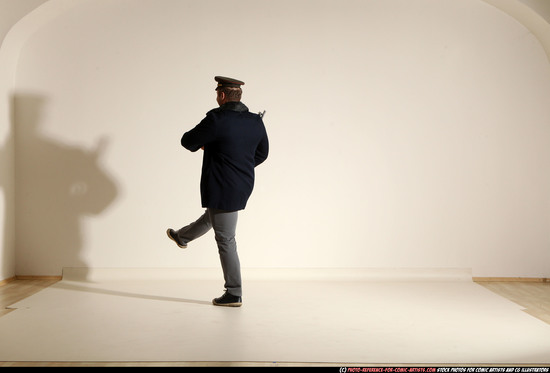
534,297
17,290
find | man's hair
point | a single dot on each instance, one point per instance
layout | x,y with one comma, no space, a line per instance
233,94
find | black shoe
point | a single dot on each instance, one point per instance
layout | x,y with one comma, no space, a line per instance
174,237
228,300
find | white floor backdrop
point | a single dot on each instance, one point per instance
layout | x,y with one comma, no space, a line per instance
370,317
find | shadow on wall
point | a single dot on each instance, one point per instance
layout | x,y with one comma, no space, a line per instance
56,185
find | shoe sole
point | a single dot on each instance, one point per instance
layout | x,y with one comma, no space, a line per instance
226,304
172,238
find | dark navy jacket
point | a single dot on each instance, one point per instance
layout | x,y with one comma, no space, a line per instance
235,141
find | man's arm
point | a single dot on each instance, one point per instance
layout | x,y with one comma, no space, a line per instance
262,151
202,134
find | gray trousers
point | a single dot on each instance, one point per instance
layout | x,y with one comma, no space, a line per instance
224,224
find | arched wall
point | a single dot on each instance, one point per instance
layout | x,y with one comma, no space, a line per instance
533,14
11,13
403,134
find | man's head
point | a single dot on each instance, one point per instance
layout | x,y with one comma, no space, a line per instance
228,89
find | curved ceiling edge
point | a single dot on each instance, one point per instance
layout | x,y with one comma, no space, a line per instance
23,29
529,17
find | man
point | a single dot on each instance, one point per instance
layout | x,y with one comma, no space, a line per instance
234,143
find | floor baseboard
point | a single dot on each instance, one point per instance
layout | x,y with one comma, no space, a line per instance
38,277
6,281
510,279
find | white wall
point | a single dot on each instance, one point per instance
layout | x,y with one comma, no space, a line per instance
403,134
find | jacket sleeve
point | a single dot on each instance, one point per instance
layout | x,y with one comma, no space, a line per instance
202,134
262,150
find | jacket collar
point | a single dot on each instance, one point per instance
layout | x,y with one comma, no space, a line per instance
234,106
